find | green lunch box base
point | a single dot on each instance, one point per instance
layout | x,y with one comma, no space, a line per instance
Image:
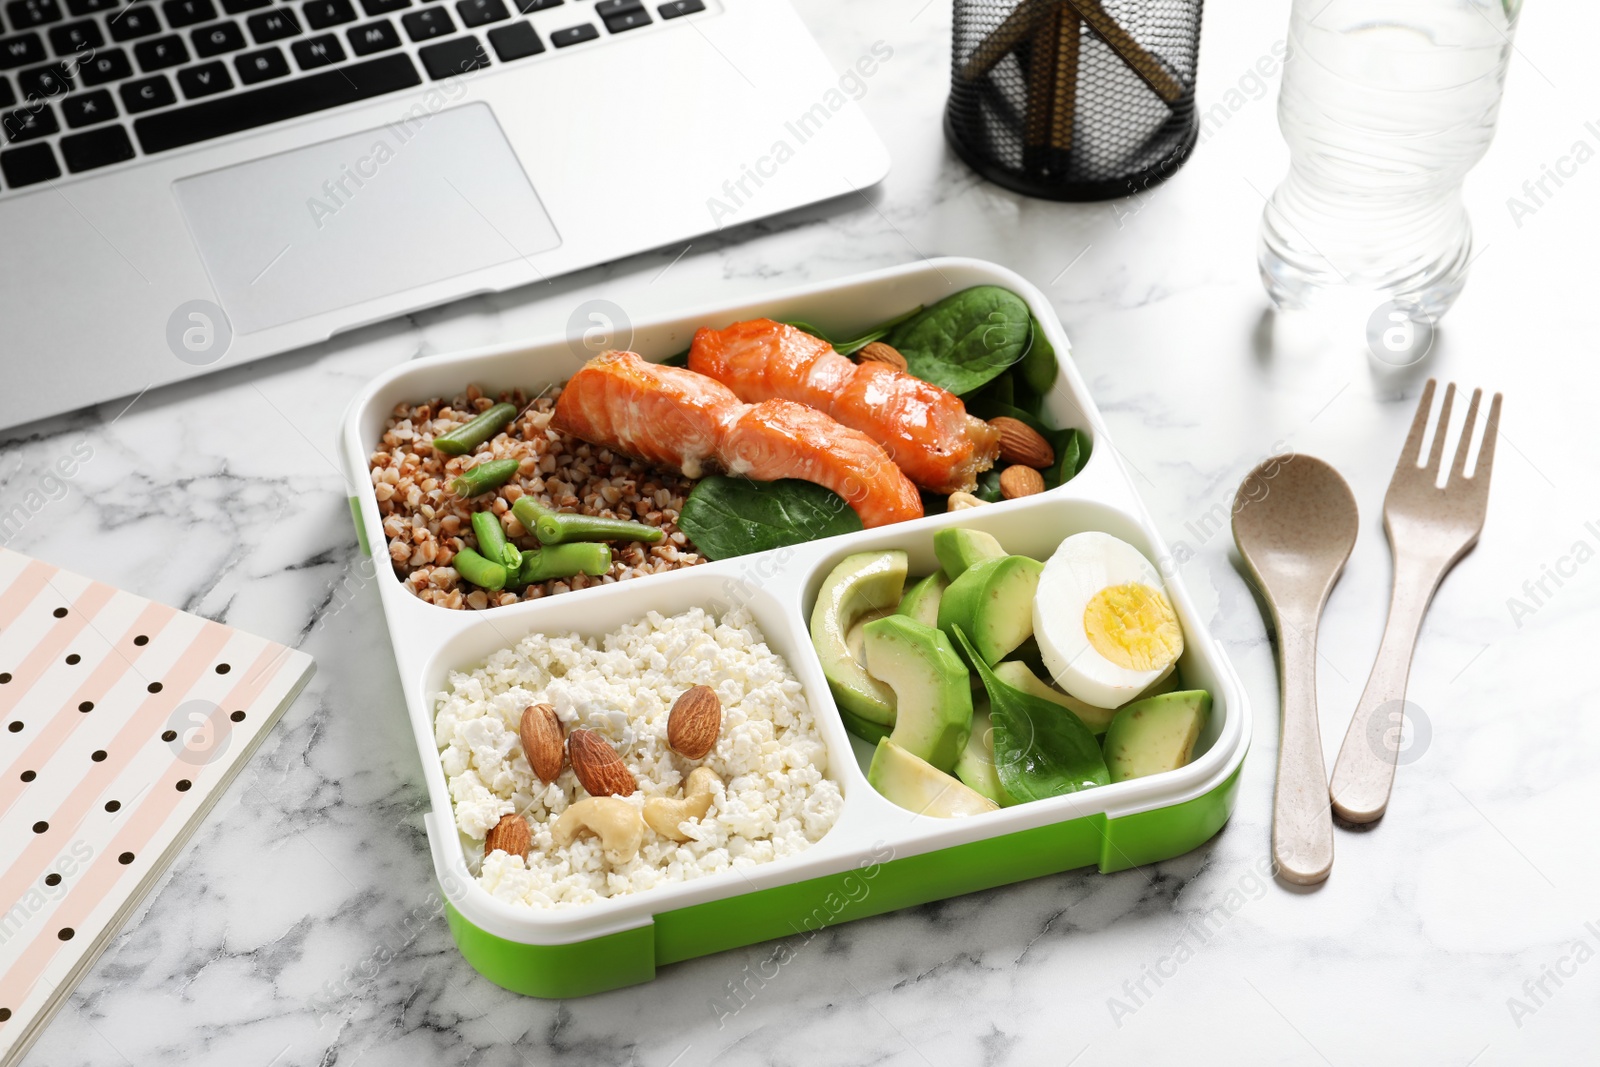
630,957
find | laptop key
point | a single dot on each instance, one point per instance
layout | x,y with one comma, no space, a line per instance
42,83
89,7
86,109
181,13
628,20
428,23
261,66
573,35
161,53
26,13
76,37
481,12
7,95
273,25
109,65
516,41
215,40
275,103
528,7
239,7
206,79
450,58
675,8
372,37
374,8
26,123
606,8
29,166
20,50
320,14
136,20
96,148
147,93
317,52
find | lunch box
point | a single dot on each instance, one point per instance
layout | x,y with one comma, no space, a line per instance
878,857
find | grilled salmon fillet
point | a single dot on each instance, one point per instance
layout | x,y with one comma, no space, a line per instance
676,417
925,429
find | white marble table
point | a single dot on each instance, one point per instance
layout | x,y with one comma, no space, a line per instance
301,925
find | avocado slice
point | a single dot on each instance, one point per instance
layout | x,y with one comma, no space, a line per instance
933,695
919,786
960,548
1156,734
976,765
993,602
921,601
861,583
1017,673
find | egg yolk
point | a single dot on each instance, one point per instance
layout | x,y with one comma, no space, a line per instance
1133,626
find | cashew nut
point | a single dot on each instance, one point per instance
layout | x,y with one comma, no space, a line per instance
664,814
613,820
962,501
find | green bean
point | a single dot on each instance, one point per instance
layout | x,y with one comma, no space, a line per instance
464,439
528,512
559,529
479,571
491,536
564,561
485,477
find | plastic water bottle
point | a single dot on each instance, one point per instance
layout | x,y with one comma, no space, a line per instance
1386,104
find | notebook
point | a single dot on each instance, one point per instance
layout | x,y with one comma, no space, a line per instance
121,720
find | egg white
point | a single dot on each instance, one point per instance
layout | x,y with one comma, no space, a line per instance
1081,566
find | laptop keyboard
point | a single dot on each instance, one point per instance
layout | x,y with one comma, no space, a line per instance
86,84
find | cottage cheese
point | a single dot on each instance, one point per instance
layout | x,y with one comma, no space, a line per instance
775,800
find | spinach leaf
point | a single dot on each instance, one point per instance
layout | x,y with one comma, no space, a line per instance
965,340
851,347
989,486
677,359
1040,749
734,516
1039,367
877,333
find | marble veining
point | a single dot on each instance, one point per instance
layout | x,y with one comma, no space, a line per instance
301,927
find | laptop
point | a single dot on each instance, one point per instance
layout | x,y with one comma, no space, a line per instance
187,185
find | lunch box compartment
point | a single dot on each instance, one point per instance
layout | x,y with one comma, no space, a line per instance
877,857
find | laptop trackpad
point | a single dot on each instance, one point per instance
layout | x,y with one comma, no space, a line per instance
429,197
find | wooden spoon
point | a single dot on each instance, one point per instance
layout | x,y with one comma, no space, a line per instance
1295,521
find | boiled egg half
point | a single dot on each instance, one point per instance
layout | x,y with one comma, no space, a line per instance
1105,627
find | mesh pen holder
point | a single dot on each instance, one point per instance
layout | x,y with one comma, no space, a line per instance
1074,99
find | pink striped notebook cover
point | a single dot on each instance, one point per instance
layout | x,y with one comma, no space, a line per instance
121,720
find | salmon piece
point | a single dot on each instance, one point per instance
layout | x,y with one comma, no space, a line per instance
924,428
676,417
662,415
781,439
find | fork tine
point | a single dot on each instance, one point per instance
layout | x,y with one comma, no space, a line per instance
1460,463
1491,431
1437,451
1413,447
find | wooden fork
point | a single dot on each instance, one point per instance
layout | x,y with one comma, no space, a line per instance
1429,529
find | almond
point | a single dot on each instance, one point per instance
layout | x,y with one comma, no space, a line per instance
542,741
878,352
695,722
1021,443
510,835
598,766
1017,480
